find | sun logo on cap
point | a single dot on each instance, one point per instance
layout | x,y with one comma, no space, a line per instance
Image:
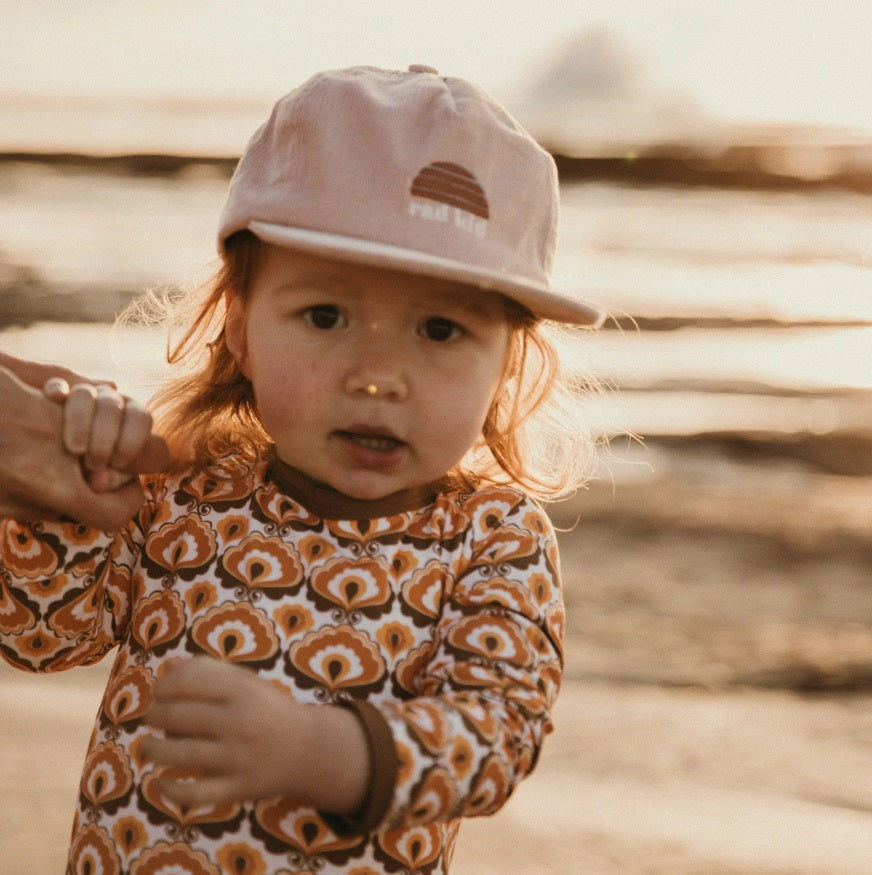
453,185
454,194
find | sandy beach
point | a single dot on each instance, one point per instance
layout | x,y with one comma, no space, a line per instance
717,711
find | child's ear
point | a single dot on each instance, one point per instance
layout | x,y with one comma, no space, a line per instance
234,331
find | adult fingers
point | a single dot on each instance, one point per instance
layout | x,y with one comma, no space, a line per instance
107,511
56,389
35,374
154,457
106,427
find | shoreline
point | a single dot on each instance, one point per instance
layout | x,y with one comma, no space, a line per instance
750,166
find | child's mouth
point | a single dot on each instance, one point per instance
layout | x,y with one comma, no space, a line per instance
375,442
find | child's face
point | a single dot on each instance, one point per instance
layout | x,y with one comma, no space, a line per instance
319,334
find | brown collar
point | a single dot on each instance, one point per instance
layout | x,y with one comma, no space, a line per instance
329,503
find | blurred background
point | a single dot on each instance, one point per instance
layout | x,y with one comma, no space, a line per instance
716,174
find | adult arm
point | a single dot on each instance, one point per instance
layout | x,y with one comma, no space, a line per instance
38,478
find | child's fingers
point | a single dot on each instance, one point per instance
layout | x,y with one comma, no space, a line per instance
200,791
78,415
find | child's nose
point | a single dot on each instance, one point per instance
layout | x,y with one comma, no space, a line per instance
377,369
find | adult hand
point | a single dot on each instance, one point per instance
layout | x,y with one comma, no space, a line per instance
39,479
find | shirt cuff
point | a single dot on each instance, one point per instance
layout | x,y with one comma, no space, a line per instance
383,768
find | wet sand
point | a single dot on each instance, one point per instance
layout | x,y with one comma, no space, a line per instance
717,710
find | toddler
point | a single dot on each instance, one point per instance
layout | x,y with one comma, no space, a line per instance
338,614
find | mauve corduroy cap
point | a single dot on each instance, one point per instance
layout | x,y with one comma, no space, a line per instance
406,170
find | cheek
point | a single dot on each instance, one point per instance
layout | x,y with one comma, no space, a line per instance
288,391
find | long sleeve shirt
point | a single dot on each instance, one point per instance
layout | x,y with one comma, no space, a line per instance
438,619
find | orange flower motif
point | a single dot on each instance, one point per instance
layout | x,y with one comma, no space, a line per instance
490,508
241,859
225,480
428,724
77,617
189,814
462,757
410,670
539,642
414,848
130,835
508,544
395,638
200,596
339,658
128,695
314,548
490,789
263,563
478,718
293,619
24,554
158,620
106,775
427,589
14,616
402,563
178,857
46,587
444,520
79,534
435,798
85,564
470,675
185,544
353,585
555,624
281,510
363,531
236,632
39,644
551,674
93,851
491,637
542,589
511,594
536,521
233,527
290,823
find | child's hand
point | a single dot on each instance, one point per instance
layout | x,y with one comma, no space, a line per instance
239,737
105,429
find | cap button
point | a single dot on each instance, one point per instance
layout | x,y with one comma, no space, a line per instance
422,68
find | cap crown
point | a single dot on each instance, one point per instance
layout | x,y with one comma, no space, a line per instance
409,170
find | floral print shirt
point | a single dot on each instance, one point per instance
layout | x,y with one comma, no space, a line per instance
440,624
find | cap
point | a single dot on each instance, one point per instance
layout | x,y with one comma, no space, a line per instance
406,170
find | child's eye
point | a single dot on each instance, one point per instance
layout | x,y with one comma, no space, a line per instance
324,316
439,329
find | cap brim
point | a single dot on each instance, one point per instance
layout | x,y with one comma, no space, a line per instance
535,296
